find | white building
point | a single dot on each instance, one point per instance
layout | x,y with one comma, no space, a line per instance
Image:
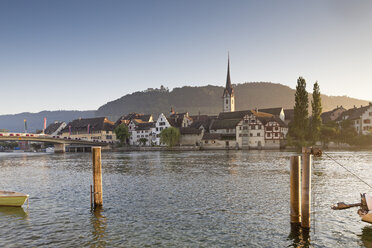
160,124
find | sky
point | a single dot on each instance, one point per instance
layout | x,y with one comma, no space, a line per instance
80,54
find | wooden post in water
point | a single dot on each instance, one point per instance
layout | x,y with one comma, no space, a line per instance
97,176
306,187
295,188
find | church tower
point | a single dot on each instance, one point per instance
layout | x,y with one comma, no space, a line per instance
228,93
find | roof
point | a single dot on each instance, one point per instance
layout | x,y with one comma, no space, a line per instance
354,113
273,111
96,124
327,116
145,126
261,114
234,115
188,130
127,118
224,124
53,127
265,120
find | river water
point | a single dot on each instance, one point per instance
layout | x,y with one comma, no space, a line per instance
179,199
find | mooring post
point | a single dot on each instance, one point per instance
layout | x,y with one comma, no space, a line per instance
295,188
97,177
306,187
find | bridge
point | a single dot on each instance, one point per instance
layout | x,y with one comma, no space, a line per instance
59,142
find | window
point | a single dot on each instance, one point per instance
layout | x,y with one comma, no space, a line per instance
240,135
276,135
251,134
258,134
370,113
157,129
161,128
161,123
246,121
206,142
258,126
366,121
108,136
245,128
227,101
253,127
107,132
269,135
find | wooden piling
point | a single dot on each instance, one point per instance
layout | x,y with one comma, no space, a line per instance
306,188
295,188
97,176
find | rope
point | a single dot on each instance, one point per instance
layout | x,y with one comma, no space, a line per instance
334,160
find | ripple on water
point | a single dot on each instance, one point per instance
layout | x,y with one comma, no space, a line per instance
184,199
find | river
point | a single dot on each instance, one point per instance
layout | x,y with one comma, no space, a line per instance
179,199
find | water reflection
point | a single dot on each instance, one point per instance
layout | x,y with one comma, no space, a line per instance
300,236
99,225
366,236
13,212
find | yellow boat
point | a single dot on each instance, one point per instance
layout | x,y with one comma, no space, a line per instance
12,199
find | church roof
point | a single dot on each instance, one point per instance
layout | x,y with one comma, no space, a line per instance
273,111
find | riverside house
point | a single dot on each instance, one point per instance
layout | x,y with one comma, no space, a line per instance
361,118
99,129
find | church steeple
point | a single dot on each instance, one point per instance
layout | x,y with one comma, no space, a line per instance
228,93
228,80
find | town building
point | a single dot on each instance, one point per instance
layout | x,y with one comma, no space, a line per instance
55,128
332,115
98,129
360,118
161,123
126,119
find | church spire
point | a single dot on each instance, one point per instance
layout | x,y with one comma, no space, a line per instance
228,88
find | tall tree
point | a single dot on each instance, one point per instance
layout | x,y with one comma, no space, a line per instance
316,120
301,112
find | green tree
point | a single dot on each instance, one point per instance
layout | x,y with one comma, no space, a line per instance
299,128
170,136
316,120
347,134
142,141
122,133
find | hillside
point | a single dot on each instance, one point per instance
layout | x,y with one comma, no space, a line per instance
35,121
207,100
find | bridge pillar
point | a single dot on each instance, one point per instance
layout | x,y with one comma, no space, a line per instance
59,148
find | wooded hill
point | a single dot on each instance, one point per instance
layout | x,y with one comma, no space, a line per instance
35,121
207,100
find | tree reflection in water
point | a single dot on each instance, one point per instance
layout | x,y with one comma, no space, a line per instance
300,236
99,224
366,236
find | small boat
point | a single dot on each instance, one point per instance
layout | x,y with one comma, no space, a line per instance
365,211
12,199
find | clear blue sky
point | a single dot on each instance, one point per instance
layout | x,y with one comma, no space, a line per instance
81,54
